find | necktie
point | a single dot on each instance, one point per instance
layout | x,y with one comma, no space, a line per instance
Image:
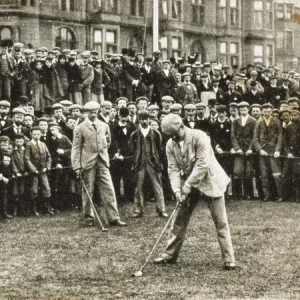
94,126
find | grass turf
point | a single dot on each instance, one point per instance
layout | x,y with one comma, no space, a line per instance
55,258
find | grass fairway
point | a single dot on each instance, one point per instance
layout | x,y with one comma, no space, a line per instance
55,258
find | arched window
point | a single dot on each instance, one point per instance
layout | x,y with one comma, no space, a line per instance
136,43
65,39
197,47
5,33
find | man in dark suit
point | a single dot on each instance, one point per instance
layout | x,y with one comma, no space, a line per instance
254,96
165,81
202,122
59,116
187,91
272,94
231,95
91,161
242,143
87,76
268,142
148,78
190,120
122,156
146,144
17,126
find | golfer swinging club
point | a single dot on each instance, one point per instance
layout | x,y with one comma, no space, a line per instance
192,169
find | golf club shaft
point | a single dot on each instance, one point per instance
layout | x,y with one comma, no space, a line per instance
92,203
163,231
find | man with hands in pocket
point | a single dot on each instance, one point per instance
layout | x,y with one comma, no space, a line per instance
267,142
193,170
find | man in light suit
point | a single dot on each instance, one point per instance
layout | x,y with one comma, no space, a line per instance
90,160
193,169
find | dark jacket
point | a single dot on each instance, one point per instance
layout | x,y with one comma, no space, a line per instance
155,141
268,138
229,97
242,136
221,135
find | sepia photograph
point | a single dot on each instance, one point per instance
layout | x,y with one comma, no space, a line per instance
149,149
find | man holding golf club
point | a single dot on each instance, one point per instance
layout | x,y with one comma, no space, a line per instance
90,161
193,169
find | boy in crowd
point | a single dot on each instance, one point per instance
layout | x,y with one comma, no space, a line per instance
38,163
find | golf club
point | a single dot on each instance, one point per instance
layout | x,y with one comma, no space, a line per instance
139,273
93,206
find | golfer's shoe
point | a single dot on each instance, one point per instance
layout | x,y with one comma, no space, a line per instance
230,266
117,223
163,214
163,260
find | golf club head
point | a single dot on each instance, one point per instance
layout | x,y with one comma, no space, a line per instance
137,274
104,229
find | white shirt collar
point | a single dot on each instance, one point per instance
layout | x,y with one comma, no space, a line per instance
145,131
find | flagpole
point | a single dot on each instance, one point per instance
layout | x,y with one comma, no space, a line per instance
155,25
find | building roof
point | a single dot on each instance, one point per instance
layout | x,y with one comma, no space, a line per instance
291,2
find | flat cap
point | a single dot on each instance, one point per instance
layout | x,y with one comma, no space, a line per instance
204,75
57,106
52,123
4,103
91,105
190,106
243,104
255,105
166,61
215,80
152,107
105,103
207,64
66,51
284,111
42,120
75,106
171,123
167,98
253,72
66,102
186,74
4,138
295,111
200,105
85,54
18,110
293,99
28,51
234,104
156,52
267,105
175,107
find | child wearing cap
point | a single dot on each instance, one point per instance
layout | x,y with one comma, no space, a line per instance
38,163
20,176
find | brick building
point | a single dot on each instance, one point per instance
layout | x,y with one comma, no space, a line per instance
231,31
287,27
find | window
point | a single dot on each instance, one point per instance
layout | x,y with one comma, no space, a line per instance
289,12
164,47
110,6
280,11
64,5
111,41
289,39
269,55
221,11
24,2
176,47
258,53
198,12
137,8
258,14
5,33
176,9
269,15
32,2
136,43
66,39
223,52
72,5
234,13
279,39
98,42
